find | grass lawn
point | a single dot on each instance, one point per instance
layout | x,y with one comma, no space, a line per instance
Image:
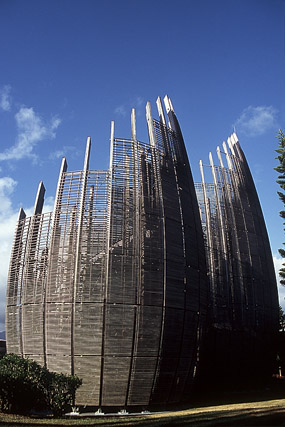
261,413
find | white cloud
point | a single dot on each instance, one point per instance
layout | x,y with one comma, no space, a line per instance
255,121
139,101
31,130
62,153
49,204
5,98
7,186
56,154
124,109
121,110
138,104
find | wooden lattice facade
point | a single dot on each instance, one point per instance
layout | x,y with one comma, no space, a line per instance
112,285
242,316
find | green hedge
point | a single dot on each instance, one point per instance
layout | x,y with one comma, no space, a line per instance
25,386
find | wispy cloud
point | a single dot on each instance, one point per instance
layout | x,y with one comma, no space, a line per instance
31,130
5,98
255,121
49,204
57,154
138,105
121,110
7,186
138,101
124,109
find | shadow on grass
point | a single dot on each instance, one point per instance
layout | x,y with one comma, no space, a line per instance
267,417
255,408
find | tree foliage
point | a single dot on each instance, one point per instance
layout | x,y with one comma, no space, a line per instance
281,319
26,386
281,181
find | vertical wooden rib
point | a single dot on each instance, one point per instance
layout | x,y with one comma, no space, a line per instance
78,244
107,275
53,245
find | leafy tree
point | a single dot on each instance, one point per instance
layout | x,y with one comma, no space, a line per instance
281,319
25,385
281,181
61,390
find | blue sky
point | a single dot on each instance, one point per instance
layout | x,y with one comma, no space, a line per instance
69,67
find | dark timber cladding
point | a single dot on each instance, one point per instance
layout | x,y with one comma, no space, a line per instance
243,303
112,285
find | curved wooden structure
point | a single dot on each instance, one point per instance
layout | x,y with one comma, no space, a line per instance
112,285
131,281
240,339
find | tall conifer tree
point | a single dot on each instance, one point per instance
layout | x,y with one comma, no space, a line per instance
281,181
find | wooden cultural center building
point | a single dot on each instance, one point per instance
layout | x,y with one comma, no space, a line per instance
141,282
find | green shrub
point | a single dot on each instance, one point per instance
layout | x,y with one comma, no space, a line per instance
25,385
